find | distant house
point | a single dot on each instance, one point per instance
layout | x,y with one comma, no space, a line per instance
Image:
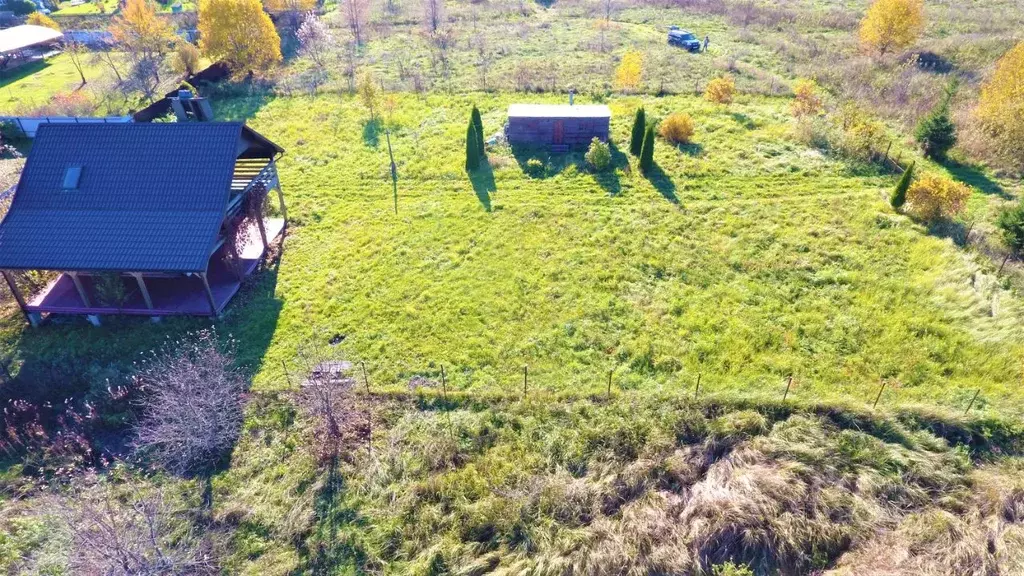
145,219
18,41
558,126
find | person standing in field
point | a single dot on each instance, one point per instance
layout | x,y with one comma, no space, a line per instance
707,40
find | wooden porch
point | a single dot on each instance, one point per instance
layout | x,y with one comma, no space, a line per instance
169,294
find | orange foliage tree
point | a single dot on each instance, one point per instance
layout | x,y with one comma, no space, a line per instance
238,32
1001,105
892,25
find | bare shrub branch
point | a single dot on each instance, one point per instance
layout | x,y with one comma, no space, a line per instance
192,404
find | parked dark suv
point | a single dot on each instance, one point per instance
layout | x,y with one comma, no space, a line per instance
683,39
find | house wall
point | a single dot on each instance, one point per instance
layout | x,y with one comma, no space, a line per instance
576,132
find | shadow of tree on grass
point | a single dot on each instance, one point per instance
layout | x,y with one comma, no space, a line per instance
662,183
483,183
976,178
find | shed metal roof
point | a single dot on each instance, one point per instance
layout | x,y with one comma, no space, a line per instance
559,111
151,197
25,36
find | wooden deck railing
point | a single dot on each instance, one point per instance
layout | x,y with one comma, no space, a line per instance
267,176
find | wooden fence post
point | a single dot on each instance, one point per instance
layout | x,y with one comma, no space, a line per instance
610,384
366,380
879,396
444,384
284,367
969,406
789,383
696,390
526,371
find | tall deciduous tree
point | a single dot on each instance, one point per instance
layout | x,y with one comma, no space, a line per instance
892,24
238,32
356,13
145,38
433,15
1001,106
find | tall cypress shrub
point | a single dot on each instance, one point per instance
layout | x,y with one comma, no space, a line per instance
479,125
472,147
647,153
899,195
636,138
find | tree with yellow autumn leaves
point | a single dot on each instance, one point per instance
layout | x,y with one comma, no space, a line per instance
892,25
630,71
1001,106
238,32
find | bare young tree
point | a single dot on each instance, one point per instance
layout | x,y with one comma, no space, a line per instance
483,61
327,397
351,62
433,15
315,41
192,404
76,52
140,536
356,14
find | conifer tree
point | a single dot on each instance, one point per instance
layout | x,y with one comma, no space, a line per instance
899,195
647,153
478,124
636,139
472,147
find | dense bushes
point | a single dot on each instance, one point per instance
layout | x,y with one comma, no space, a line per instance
934,197
806,101
192,408
599,155
720,90
1011,227
677,128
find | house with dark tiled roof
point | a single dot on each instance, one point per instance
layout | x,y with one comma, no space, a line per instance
138,218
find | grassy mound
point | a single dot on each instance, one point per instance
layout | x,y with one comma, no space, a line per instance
639,485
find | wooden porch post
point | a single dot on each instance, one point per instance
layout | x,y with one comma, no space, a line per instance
142,287
80,288
263,230
280,193
209,293
17,296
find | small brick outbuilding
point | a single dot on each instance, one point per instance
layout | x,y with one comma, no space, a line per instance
558,126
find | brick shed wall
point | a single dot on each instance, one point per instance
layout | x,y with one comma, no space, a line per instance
577,132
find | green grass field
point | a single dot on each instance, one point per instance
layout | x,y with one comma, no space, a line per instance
744,257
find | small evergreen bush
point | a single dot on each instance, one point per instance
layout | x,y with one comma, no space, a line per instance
599,155
472,147
535,168
899,195
1011,227
936,133
677,128
636,138
647,154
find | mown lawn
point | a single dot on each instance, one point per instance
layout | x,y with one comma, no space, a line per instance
33,85
745,257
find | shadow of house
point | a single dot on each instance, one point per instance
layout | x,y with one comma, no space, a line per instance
662,183
482,180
